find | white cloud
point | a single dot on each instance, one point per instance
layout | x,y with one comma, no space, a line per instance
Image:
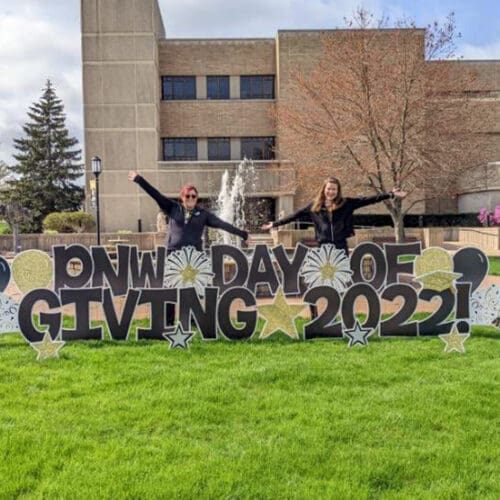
34,48
489,51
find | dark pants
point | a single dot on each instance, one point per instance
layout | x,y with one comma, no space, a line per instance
170,313
341,246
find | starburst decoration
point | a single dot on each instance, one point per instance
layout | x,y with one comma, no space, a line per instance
327,266
485,306
9,310
188,267
454,340
47,348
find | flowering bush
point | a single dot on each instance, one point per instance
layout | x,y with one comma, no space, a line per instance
489,219
484,217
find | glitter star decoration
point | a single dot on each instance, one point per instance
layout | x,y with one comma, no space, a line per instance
280,315
47,348
454,340
358,334
179,338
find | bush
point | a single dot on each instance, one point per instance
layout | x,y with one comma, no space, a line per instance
69,222
5,228
424,220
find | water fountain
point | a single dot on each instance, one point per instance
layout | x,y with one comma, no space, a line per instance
231,199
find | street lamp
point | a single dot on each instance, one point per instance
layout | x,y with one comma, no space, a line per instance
96,170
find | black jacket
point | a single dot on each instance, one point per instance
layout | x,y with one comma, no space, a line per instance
181,234
340,227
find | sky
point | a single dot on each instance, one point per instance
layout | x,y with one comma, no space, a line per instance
40,40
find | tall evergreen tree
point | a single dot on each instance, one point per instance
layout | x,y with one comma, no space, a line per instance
47,163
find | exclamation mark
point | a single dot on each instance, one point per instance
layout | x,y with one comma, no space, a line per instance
462,315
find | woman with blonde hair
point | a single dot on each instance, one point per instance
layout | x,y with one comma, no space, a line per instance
331,213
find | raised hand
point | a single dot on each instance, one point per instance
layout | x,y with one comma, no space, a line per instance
132,175
266,226
398,193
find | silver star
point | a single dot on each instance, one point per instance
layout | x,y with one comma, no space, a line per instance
179,338
358,335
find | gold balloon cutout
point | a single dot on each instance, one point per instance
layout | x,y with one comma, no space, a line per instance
32,269
434,269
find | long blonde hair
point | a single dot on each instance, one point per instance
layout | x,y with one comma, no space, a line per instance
319,199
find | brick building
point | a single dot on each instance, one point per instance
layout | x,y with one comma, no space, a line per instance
185,110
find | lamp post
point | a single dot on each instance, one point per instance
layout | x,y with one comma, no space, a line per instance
96,170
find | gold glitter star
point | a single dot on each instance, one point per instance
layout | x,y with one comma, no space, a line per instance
189,274
47,348
454,341
327,272
279,316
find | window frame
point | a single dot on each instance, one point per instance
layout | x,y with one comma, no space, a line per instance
270,147
218,80
218,141
180,142
254,81
183,96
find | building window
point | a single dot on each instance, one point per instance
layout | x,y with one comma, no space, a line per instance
178,87
180,149
217,87
257,87
219,148
257,148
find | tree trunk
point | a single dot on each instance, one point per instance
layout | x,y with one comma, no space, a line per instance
399,228
15,237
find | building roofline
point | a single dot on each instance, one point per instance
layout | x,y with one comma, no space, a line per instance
216,39
466,61
347,30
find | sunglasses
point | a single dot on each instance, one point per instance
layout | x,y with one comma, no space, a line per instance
192,196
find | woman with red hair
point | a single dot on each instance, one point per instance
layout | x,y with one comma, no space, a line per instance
186,220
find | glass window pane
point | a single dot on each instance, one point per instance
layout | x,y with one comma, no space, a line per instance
257,148
179,87
268,87
257,87
180,149
217,87
211,87
190,88
219,148
244,87
224,87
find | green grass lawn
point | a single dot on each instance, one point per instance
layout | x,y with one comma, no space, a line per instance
259,419
494,266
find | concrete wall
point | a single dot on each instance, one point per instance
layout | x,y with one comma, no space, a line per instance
121,101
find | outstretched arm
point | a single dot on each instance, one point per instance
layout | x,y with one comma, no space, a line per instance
369,200
214,221
164,203
299,214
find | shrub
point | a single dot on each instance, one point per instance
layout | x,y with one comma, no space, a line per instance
69,222
5,228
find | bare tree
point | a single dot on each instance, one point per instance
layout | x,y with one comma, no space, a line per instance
385,108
